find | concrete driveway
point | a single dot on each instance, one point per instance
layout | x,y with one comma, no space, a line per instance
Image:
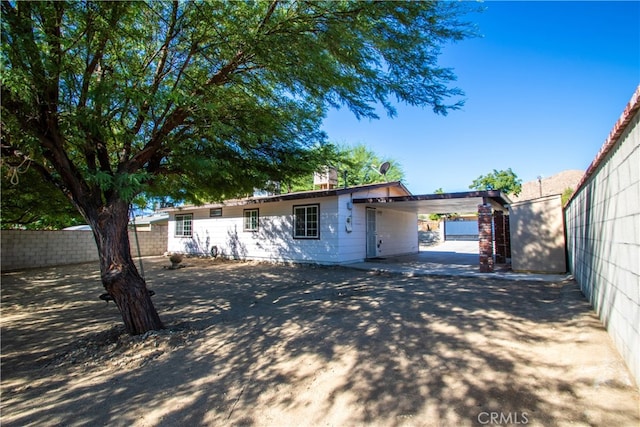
449,258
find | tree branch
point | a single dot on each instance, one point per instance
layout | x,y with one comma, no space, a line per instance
267,17
93,148
222,76
159,74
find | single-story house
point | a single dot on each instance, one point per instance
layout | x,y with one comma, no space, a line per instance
331,225
146,222
320,226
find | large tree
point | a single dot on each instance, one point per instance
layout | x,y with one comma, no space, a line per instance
504,180
200,100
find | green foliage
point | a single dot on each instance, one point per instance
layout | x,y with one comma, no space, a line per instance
437,216
505,180
361,165
198,101
41,208
566,195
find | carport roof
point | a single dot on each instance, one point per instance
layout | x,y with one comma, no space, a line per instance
462,202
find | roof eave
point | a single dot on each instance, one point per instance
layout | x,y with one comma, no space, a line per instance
312,194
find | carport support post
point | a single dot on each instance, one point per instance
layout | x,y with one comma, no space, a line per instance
507,240
485,238
501,234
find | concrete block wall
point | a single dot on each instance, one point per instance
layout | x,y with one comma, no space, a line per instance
153,242
603,235
22,249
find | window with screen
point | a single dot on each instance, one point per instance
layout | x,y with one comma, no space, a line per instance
306,222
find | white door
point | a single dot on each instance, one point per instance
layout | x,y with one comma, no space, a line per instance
372,235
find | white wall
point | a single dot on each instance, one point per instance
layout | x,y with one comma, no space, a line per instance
461,229
398,231
603,241
352,244
274,240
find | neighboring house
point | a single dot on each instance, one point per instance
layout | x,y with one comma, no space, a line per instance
320,226
140,223
82,227
146,222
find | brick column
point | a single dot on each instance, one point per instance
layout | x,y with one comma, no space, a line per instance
485,237
507,237
500,234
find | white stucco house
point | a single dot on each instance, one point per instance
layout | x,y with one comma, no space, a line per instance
320,226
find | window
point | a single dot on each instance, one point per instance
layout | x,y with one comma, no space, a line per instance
214,212
250,220
183,225
306,222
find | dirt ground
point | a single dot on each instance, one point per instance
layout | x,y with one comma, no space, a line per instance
262,344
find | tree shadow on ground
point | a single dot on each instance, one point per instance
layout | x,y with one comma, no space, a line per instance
285,345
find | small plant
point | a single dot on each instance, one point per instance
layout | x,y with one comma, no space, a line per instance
566,195
175,259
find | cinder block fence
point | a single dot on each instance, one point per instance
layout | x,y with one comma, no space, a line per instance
22,249
603,234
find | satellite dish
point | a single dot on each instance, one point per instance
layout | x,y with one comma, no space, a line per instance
384,168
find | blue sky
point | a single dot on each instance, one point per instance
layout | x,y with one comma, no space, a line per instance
544,85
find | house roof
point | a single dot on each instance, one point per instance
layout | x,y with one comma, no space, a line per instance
300,195
139,220
150,219
462,202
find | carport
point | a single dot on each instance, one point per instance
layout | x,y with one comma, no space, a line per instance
491,206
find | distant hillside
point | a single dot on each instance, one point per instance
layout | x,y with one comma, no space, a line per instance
555,184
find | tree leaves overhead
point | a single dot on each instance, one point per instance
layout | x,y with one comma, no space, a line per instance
206,99
359,162
38,208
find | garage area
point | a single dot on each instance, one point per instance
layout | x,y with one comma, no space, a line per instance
526,237
493,245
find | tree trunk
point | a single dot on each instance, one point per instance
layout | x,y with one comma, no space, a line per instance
119,274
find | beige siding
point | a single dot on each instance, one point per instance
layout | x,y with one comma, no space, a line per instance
37,248
537,235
